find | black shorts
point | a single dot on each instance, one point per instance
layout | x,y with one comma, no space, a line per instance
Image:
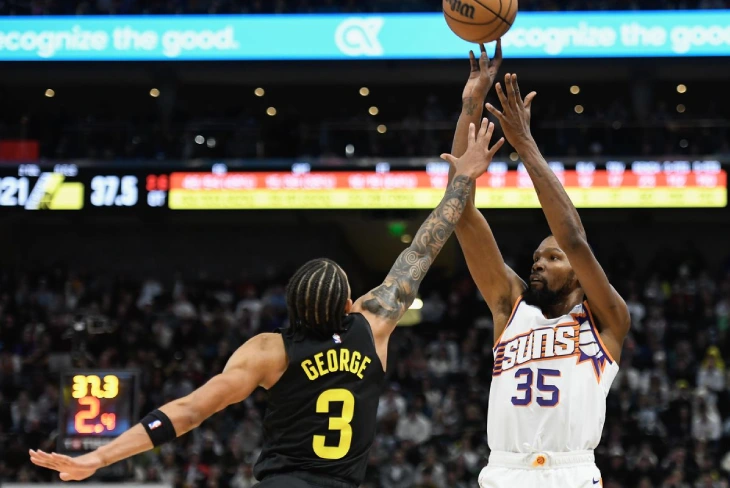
302,480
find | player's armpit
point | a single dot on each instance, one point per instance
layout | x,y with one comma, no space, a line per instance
607,307
498,283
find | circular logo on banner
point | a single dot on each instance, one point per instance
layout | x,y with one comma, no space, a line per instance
358,36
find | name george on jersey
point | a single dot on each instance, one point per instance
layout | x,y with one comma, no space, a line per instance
334,360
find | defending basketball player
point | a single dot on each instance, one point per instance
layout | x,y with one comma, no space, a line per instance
557,341
324,373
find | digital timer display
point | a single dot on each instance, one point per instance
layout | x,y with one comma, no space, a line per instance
96,406
400,184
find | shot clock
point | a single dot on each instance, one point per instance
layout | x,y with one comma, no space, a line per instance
96,407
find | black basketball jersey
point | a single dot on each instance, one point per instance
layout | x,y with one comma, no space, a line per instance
321,414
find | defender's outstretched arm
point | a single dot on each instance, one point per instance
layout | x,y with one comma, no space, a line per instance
385,305
259,362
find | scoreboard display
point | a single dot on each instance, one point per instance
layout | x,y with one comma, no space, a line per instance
382,185
96,407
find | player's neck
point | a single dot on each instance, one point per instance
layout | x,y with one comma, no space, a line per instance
564,305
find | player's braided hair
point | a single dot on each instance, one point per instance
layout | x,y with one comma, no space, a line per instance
316,297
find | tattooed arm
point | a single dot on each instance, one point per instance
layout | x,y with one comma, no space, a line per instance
389,301
385,305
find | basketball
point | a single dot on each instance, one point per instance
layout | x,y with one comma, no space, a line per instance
480,20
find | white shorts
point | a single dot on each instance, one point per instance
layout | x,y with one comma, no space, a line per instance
575,469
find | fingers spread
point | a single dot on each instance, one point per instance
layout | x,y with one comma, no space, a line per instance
516,86
496,147
472,133
493,110
510,91
498,52
483,58
501,96
490,132
483,129
473,62
528,99
448,157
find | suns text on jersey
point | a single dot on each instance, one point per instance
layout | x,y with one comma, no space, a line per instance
341,359
561,341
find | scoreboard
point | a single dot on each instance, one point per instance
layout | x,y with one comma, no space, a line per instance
96,406
382,185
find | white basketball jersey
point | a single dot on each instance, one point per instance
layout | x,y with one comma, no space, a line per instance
549,383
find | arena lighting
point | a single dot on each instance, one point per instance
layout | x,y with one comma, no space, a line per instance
575,89
578,109
373,110
514,156
199,139
259,92
416,305
382,129
681,88
211,142
681,108
349,149
50,93
154,93
271,111
406,238
683,143
364,91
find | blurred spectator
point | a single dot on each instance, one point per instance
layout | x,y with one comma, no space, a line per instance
398,473
392,405
414,427
706,422
711,374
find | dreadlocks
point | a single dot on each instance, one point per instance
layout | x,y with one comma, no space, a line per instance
316,297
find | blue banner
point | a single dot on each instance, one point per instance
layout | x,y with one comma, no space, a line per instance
342,37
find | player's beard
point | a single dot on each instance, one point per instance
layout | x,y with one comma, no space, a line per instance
544,297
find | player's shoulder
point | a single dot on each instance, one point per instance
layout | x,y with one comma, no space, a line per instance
265,348
264,353
268,341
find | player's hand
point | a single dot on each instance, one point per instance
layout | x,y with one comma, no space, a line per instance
478,155
69,469
515,115
483,73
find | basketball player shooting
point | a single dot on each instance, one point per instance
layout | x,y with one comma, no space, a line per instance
324,373
556,350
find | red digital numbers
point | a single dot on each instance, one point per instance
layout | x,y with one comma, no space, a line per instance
84,420
155,183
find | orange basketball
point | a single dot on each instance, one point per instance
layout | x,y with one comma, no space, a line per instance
480,20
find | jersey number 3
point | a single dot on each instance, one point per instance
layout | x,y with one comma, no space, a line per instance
551,393
336,423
